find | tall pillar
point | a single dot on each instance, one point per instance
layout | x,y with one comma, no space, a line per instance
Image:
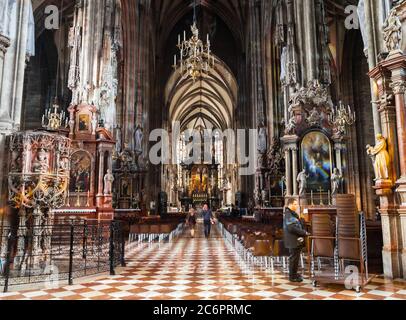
288,173
337,148
101,173
4,44
16,33
295,169
310,40
399,89
391,226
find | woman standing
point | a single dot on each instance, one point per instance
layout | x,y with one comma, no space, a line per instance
191,221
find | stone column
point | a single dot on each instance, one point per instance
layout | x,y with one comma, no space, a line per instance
101,173
399,89
288,173
310,41
388,208
295,170
337,148
4,44
374,47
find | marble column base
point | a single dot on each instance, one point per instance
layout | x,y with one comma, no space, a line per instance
402,212
392,263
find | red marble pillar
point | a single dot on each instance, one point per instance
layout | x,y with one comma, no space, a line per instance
399,89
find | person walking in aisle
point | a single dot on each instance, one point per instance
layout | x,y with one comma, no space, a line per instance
191,221
207,220
294,234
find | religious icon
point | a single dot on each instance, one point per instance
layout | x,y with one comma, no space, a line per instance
125,188
84,122
316,157
80,172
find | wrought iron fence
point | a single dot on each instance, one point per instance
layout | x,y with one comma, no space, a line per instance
60,252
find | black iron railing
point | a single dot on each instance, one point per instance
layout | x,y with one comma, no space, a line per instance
60,252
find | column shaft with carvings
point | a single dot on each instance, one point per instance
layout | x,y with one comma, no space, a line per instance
388,208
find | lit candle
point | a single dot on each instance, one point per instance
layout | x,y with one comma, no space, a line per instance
178,39
174,60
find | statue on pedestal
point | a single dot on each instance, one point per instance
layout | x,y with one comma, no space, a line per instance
302,180
336,179
108,183
392,32
380,157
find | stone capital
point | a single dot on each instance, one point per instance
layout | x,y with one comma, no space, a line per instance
398,87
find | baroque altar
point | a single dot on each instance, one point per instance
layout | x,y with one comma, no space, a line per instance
90,188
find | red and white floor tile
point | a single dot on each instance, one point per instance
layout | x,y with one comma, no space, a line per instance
202,269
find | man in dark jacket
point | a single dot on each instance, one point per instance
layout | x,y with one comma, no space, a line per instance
207,220
294,234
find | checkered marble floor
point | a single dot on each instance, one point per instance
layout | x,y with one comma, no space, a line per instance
202,269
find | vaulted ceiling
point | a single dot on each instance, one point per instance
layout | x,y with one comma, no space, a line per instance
167,13
209,101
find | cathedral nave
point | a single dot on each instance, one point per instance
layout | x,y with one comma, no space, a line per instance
253,149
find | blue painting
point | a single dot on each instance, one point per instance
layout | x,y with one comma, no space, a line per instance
316,159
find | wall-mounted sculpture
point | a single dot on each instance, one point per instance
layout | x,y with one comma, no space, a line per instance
380,157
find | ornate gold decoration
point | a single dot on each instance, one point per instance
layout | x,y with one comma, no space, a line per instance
380,158
341,117
195,57
52,120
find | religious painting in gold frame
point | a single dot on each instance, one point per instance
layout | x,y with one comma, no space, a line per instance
80,173
84,122
317,160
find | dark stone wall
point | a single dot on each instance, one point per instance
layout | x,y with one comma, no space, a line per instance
39,88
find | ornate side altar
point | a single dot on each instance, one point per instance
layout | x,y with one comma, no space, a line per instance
91,180
129,197
38,184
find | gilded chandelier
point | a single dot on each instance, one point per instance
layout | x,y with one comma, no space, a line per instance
195,56
54,120
342,117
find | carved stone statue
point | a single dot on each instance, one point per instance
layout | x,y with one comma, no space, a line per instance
392,32
314,117
138,138
108,183
302,180
264,196
291,126
380,157
262,139
41,164
284,58
336,179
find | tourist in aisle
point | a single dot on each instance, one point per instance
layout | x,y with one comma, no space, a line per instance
294,234
207,220
191,221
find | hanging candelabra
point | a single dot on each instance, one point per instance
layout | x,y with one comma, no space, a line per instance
341,117
195,59
54,120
